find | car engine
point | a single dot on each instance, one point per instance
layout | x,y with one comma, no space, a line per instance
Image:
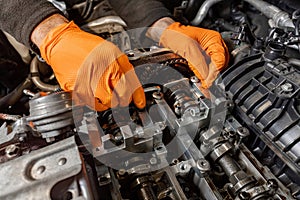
238,140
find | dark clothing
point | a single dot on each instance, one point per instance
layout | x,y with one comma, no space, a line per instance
20,17
12,68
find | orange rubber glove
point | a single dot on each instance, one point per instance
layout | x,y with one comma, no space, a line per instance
97,72
189,42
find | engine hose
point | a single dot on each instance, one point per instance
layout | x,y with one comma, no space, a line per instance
202,12
15,95
280,17
35,76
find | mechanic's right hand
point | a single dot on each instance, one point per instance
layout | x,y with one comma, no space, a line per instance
97,72
189,42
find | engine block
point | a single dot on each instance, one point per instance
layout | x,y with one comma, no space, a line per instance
184,145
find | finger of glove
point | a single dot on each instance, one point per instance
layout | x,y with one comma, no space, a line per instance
139,98
219,55
213,73
188,48
99,106
127,88
97,73
93,85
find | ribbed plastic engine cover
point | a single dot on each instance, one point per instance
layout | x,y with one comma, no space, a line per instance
266,95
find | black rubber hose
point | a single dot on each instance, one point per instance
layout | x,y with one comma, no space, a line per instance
13,97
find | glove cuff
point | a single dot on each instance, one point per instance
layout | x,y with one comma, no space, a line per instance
174,26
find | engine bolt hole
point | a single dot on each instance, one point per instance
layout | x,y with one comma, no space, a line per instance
62,161
183,167
41,169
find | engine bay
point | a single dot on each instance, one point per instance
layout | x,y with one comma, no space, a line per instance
238,140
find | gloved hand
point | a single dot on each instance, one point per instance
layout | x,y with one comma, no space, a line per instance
189,42
97,72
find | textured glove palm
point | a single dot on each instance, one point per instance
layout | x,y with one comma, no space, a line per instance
97,72
189,42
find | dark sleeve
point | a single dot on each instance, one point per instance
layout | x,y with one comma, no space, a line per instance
20,17
140,13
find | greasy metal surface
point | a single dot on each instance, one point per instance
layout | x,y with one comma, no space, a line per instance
51,113
32,176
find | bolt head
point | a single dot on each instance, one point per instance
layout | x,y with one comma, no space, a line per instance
287,87
194,79
157,95
203,165
153,161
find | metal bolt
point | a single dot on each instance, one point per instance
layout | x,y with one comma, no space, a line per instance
12,151
177,105
97,149
177,108
157,95
203,165
272,184
21,138
287,87
50,139
231,134
130,54
175,161
28,93
242,132
161,125
159,148
184,167
153,48
194,111
194,79
153,161
122,172
139,131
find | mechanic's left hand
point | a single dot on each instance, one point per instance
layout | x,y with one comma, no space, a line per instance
189,42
